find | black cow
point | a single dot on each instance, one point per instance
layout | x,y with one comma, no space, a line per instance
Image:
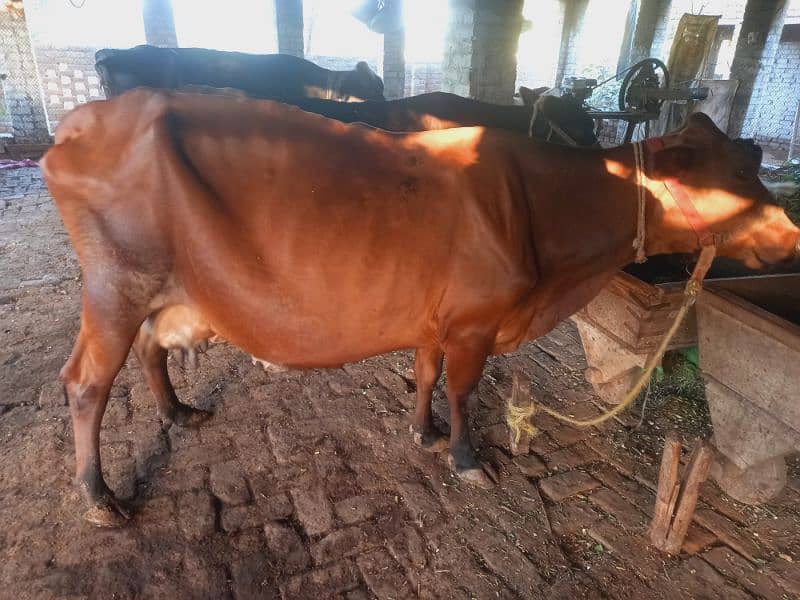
439,110
258,75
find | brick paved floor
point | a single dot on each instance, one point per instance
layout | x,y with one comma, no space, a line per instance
306,484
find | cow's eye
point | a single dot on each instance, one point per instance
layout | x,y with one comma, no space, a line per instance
743,174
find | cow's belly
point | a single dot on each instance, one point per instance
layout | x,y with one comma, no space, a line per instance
304,329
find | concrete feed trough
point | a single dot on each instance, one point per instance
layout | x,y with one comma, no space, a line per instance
748,332
749,339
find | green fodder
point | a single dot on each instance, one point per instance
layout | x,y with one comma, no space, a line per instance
789,172
677,394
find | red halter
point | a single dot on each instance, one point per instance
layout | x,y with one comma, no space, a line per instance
681,196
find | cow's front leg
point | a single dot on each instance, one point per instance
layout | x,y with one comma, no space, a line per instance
464,367
427,370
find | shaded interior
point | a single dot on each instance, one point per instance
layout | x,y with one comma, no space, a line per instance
777,291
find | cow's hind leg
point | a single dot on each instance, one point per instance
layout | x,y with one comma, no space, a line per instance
464,367
153,359
99,352
427,369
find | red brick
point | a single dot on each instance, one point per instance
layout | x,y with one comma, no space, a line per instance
383,576
543,444
569,458
787,575
530,466
505,560
734,567
313,510
196,515
697,539
620,509
723,504
228,483
567,436
568,484
634,550
286,548
274,507
390,380
251,579
421,503
321,583
573,516
340,543
729,533
236,518
696,574
361,508
638,495
408,549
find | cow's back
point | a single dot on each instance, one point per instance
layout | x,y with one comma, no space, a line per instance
289,216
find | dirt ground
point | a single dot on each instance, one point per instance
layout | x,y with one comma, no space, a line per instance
307,485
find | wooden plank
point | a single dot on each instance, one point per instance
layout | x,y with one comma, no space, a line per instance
695,474
667,492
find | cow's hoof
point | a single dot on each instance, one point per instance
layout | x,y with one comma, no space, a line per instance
187,416
107,512
431,440
476,476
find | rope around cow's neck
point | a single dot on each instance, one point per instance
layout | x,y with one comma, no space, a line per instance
641,211
519,419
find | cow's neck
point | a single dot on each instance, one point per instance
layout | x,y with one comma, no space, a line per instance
666,227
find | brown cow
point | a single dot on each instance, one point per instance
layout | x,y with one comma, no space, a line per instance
311,243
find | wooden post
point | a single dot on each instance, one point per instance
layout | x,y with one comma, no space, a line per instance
675,502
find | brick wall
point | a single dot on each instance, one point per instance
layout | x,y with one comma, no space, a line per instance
344,63
756,49
776,116
23,96
422,78
68,79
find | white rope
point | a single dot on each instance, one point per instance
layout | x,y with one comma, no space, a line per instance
553,128
534,114
641,210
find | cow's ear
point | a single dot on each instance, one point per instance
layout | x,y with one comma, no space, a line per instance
671,162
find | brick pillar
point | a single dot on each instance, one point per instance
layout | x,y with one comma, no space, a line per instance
651,14
574,11
494,50
481,49
23,94
752,61
289,21
457,60
394,64
159,23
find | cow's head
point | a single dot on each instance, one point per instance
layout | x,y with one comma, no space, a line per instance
361,83
720,176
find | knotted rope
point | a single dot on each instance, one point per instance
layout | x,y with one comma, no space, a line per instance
519,418
641,210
